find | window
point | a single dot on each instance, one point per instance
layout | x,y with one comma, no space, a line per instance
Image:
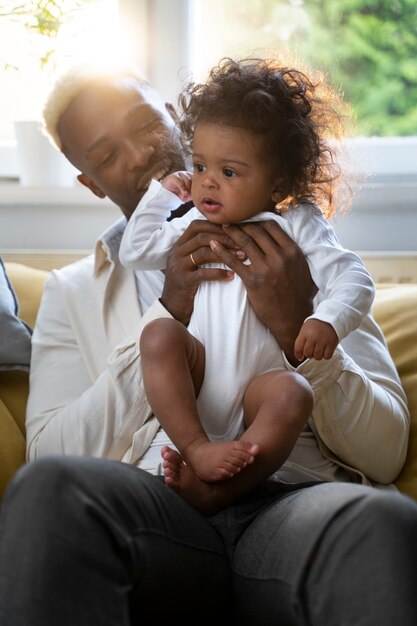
36,37
368,49
31,47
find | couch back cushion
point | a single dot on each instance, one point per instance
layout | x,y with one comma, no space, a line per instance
395,310
28,284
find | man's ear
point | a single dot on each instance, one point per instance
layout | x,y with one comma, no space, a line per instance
171,110
87,182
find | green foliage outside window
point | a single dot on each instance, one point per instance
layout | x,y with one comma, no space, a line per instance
43,18
367,48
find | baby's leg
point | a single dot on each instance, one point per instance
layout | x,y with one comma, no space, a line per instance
173,371
276,407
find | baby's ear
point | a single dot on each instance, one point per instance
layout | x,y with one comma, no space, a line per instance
279,193
277,197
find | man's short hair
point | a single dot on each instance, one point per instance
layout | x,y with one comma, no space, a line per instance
69,84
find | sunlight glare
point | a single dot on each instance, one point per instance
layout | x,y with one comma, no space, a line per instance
99,38
92,35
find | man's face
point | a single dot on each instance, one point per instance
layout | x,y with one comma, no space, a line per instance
120,135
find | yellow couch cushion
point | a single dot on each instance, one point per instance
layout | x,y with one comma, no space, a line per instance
13,395
395,310
28,284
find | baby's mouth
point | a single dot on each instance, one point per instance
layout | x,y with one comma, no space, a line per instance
209,204
210,200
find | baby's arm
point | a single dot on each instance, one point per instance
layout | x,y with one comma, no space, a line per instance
148,236
316,340
346,290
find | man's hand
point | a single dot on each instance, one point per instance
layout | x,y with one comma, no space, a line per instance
316,340
184,274
278,280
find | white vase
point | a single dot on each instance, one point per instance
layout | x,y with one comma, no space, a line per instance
40,164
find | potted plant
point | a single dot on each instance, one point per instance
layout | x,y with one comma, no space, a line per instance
43,20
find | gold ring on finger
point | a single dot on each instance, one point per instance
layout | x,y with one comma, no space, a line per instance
192,260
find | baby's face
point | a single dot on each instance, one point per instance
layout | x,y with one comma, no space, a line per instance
231,181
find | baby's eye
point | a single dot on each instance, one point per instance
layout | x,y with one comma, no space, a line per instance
228,172
199,167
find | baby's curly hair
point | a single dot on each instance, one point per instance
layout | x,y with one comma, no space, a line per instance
301,117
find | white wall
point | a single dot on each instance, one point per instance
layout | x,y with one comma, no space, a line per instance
39,219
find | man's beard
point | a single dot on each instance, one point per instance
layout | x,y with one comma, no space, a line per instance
170,154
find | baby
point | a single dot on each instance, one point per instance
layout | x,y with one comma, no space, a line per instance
222,388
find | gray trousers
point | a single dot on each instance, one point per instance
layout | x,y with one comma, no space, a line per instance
89,542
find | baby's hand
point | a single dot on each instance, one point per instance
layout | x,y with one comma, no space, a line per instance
316,340
180,184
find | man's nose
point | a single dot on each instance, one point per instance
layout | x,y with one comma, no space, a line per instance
138,154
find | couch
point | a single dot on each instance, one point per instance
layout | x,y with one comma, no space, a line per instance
395,310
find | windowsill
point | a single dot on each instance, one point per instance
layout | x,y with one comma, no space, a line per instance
12,193
390,162
383,216
386,195
373,194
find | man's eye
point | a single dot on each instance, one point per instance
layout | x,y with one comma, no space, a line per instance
228,172
147,126
107,159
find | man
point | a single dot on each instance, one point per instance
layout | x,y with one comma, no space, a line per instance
94,541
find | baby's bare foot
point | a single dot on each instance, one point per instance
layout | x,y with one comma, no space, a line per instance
180,478
172,464
220,460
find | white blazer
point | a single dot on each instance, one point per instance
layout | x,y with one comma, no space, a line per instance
86,391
